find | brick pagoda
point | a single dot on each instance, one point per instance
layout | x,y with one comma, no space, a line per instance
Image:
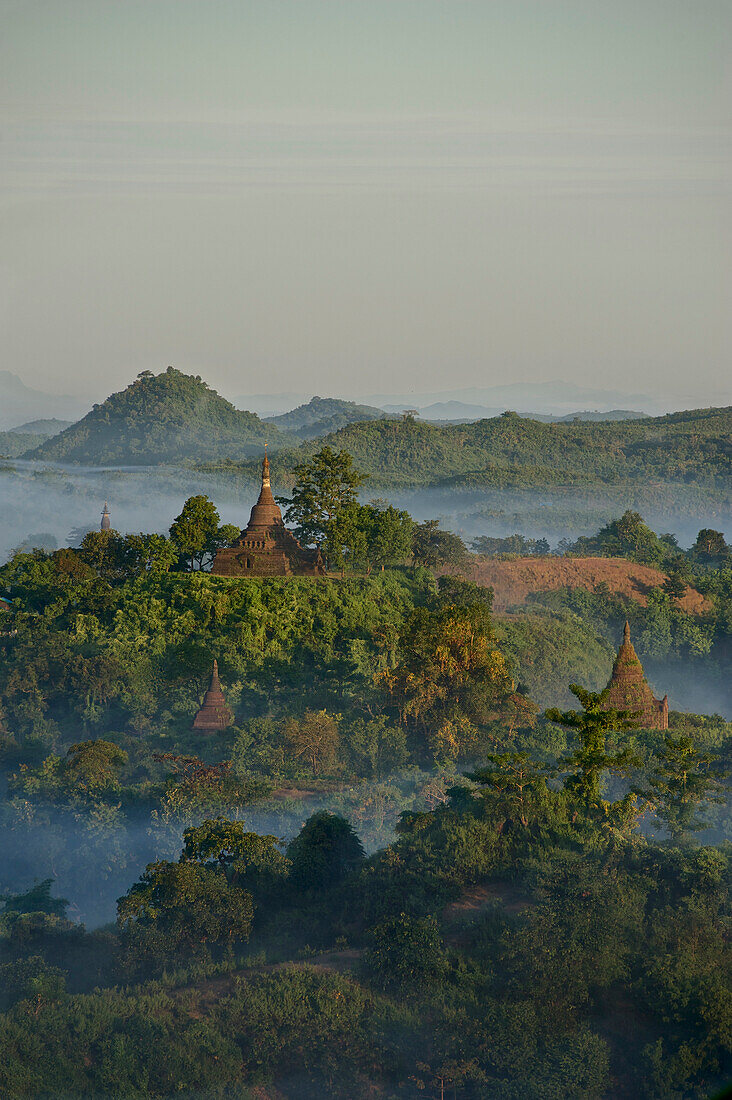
629,689
214,714
266,548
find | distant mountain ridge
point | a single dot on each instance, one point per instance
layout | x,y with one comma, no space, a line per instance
322,415
159,419
19,403
46,427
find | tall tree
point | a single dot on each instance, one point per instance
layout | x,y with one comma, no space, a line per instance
591,758
710,545
432,547
325,486
196,534
682,782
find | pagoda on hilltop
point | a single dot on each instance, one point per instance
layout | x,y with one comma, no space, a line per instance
106,518
266,548
629,689
214,714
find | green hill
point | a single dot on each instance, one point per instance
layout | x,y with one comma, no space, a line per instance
165,418
692,448
323,415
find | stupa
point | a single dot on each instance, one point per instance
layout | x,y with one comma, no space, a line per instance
629,689
266,548
214,714
106,520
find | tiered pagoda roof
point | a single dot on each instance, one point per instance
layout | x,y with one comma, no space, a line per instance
629,689
266,548
214,714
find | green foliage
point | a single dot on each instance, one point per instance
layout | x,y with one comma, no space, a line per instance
710,546
186,905
432,547
30,979
325,488
547,651
627,537
246,858
314,738
323,414
36,900
590,758
404,953
509,451
196,533
451,680
324,853
513,544
683,781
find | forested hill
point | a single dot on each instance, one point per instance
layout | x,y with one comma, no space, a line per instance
322,415
692,447
165,418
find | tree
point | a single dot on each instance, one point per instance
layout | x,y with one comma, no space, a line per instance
93,766
324,852
314,738
683,780
376,747
188,903
674,586
325,486
30,979
36,900
404,953
432,547
590,759
450,677
390,535
245,858
196,534
514,782
710,546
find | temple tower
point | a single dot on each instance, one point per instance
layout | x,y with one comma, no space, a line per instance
214,713
266,548
629,688
106,520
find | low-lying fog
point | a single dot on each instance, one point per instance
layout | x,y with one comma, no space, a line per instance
38,498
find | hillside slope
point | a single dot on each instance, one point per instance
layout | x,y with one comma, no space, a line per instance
164,418
513,581
693,448
323,415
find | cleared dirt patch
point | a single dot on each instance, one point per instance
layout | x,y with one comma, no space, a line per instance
459,915
513,581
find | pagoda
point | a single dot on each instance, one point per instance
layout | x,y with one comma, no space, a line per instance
629,689
214,714
266,548
106,520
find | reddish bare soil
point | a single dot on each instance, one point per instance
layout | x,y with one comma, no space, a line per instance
513,581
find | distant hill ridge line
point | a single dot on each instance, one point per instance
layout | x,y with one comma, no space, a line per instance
165,418
693,446
173,418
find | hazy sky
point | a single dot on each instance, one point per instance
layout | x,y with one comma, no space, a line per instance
349,196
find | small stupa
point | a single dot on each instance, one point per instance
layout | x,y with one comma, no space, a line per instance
629,689
106,518
214,714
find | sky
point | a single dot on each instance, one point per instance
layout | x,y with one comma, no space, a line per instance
347,197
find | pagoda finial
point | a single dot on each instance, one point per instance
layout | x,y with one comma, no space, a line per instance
106,523
626,632
265,468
